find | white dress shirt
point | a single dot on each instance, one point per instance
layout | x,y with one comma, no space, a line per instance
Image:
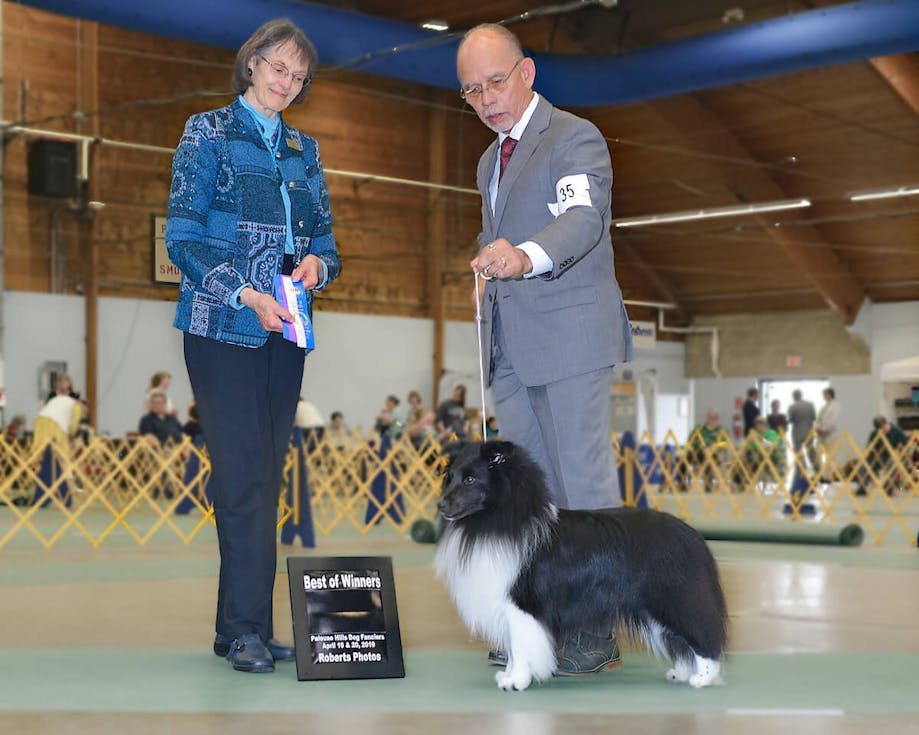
542,263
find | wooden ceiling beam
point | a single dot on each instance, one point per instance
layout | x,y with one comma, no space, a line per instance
901,72
658,282
805,246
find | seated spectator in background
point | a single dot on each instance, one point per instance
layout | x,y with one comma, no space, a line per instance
192,427
158,425
388,423
160,382
474,424
705,439
451,415
491,428
763,443
337,432
16,429
879,454
337,424
777,420
63,386
419,421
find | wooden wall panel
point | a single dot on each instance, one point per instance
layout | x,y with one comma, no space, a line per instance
148,86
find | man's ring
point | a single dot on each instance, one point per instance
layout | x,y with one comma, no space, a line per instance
485,271
491,246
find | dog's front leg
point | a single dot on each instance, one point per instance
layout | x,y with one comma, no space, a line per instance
514,678
530,652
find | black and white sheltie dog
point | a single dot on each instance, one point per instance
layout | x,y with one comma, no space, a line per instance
527,576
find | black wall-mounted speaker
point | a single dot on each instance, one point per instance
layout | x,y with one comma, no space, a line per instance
53,168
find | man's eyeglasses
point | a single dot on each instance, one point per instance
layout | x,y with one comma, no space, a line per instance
299,77
473,93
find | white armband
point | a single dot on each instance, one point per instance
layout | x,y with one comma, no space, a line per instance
570,191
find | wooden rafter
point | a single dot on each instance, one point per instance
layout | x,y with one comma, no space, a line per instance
901,72
658,282
805,246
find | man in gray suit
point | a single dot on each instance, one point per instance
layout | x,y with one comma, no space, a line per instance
802,416
553,318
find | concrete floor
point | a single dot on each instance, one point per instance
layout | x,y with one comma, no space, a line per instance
118,640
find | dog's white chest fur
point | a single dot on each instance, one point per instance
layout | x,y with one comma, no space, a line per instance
479,582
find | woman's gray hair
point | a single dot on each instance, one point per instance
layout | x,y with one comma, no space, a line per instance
269,35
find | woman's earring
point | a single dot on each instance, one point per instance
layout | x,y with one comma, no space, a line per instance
250,71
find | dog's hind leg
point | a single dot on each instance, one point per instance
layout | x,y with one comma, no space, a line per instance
688,665
707,672
664,643
530,651
681,671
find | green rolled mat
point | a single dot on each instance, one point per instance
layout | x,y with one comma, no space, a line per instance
782,532
425,532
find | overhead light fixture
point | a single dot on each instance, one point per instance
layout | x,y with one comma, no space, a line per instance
888,193
695,214
436,25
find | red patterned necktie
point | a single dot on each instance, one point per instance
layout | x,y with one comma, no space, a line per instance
507,148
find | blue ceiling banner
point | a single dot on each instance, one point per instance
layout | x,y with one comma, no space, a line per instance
834,35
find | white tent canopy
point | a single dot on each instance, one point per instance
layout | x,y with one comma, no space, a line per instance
897,380
901,371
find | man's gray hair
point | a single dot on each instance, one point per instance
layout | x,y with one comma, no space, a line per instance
500,31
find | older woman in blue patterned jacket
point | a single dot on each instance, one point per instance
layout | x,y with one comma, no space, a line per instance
248,202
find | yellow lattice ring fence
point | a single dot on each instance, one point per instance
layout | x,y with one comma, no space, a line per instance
110,488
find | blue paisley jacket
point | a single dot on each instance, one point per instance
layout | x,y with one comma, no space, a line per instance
227,224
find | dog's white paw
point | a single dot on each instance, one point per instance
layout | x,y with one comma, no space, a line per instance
708,672
513,681
680,672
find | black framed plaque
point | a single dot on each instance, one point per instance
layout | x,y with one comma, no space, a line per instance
346,624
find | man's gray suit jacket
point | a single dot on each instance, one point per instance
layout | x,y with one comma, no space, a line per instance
570,320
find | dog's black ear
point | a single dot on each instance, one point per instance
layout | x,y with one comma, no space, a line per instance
452,450
496,452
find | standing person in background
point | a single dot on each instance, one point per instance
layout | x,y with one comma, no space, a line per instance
750,411
828,427
249,202
553,320
63,386
451,415
56,425
802,416
778,421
